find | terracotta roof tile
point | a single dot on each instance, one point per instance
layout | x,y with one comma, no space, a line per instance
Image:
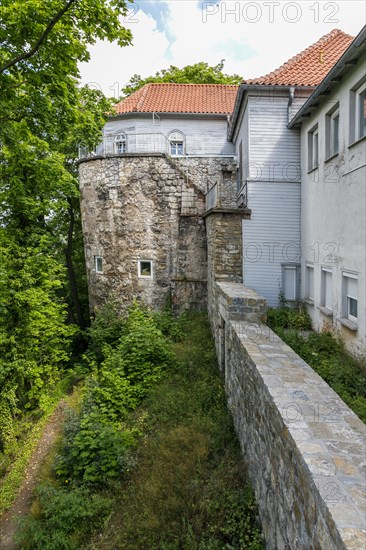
309,67
180,98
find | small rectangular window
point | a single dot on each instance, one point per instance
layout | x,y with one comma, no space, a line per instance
290,282
145,269
350,296
98,264
309,282
176,148
326,288
313,148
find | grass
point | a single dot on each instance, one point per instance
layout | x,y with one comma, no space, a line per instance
326,355
186,487
189,488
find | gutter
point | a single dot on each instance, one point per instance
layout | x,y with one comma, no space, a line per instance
139,114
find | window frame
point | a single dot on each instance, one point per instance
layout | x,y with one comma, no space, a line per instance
312,134
330,150
98,258
360,90
120,141
176,140
294,267
323,288
346,296
139,270
309,295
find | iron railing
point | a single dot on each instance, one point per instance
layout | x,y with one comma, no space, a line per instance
242,196
152,142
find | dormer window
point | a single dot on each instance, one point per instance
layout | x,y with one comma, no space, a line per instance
176,143
120,143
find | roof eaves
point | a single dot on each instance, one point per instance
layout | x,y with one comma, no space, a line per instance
351,52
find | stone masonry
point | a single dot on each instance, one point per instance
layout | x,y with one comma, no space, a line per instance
304,448
148,207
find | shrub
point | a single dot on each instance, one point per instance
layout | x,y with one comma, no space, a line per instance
66,519
288,318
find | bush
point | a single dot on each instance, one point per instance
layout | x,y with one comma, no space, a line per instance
94,450
288,318
66,519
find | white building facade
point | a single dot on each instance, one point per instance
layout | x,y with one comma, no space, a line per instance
333,199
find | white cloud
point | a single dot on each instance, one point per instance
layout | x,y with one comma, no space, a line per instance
111,66
266,35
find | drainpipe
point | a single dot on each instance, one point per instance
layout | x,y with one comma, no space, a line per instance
290,100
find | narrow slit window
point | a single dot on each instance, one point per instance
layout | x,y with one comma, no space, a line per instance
98,264
309,282
361,111
326,289
313,148
334,134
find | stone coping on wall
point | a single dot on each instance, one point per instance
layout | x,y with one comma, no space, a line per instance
305,449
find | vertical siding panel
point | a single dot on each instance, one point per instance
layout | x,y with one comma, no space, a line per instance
272,236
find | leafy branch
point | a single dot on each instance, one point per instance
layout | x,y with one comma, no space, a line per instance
41,39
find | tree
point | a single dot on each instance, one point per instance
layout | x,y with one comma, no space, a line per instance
44,115
199,73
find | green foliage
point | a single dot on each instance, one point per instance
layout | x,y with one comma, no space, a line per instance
189,488
67,519
289,318
44,116
199,73
94,450
96,446
105,330
186,485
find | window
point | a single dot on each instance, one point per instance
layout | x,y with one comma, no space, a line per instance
98,260
176,140
332,133
309,282
290,282
326,288
120,143
361,112
145,269
350,296
313,148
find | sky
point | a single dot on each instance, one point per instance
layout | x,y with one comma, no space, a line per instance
253,38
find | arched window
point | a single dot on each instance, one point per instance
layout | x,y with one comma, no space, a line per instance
176,140
120,143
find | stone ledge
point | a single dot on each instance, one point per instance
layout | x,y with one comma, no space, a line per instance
302,443
244,212
351,325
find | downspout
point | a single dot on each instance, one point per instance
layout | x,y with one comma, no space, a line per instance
290,100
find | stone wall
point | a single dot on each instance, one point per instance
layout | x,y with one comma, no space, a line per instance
305,449
145,207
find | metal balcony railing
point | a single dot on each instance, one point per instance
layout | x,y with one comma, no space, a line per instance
242,197
153,142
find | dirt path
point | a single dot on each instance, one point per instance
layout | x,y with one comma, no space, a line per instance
23,501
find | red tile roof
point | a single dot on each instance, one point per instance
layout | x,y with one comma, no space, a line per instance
180,98
309,67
